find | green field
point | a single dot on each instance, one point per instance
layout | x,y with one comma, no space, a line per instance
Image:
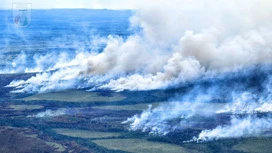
205,107
76,96
85,133
255,145
129,107
25,107
25,140
58,147
141,146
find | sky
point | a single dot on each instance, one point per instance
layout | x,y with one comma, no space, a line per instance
93,4
104,4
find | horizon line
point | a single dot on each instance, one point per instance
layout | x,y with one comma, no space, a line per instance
73,9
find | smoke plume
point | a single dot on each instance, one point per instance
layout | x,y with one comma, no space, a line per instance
168,50
49,113
250,126
249,113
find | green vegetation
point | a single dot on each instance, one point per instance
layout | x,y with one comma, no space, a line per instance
57,146
22,140
129,107
205,107
76,96
254,145
141,146
85,133
26,107
90,110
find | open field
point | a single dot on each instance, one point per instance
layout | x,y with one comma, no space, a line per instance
76,96
129,107
205,107
85,133
64,133
58,147
26,107
22,140
254,145
141,146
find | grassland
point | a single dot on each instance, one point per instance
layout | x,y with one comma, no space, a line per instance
254,145
25,107
129,107
205,107
58,147
141,146
22,140
85,133
76,96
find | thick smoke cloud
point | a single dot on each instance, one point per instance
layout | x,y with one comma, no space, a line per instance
245,121
247,103
161,120
180,115
250,126
177,70
249,112
169,49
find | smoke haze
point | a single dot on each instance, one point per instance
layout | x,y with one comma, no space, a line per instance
170,47
168,50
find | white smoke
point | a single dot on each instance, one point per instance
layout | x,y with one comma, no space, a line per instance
243,107
264,108
174,45
250,103
172,115
19,64
170,49
250,126
156,121
177,70
50,113
181,114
